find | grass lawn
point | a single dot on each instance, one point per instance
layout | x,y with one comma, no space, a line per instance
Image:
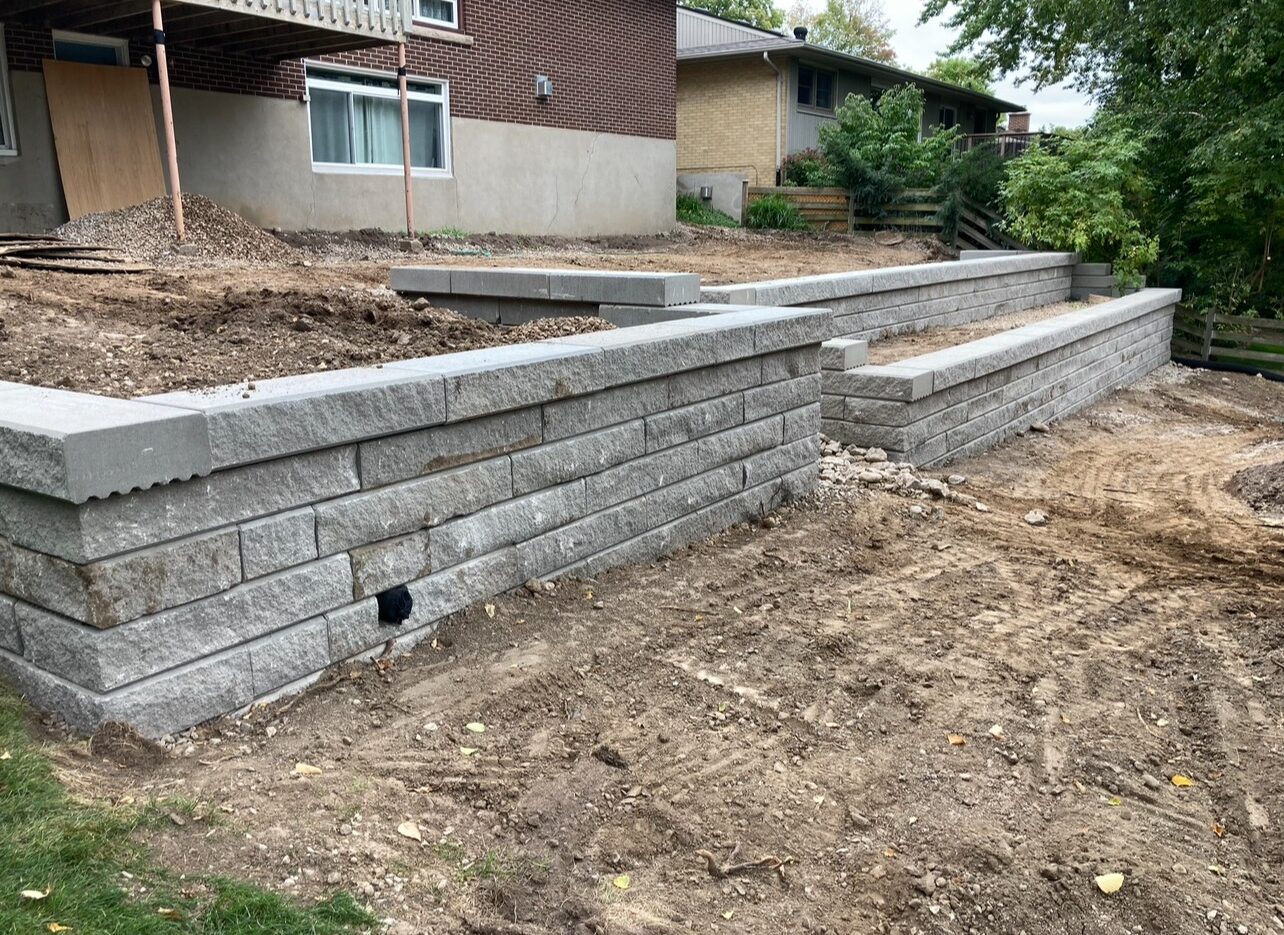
82,872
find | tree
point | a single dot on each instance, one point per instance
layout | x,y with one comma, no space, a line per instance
857,27
760,13
963,70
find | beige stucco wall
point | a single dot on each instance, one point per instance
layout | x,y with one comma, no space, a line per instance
727,118
253,155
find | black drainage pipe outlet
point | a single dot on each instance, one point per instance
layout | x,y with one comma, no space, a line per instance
395,606
1196,364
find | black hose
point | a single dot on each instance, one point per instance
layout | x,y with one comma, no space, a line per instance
1228,368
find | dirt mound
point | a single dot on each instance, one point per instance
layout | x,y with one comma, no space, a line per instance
1261,487
146,232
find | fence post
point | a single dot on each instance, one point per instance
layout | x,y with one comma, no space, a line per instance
851,214
1208,335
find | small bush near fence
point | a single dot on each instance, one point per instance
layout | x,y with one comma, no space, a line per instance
775,212
691,210
808,169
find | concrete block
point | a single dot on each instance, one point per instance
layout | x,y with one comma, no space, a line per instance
641,476
719,380
633,316
624,288
285,657
506,524
767,400
10,638
384,565
273,418
523,311
278,542
609,407
831,407
882,382
79,708
402,457
101,528
801,423
791,364
631,355
843,354
559,462
185,697
74,446
111,592
777,462
740,443
103,660
420,280
482,308
455,589
512,283
485,382
678,426
376,515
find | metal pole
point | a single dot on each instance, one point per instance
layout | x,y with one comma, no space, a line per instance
405,137
167,111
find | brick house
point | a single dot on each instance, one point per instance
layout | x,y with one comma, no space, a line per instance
288,111
748,97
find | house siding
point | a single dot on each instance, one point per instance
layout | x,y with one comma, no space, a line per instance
727,119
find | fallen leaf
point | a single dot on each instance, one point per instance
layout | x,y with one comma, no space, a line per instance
1219,830
408,829
303,769
490,611
1115,802
1214,868
35,894
476,727
622,882
167,913
1183,782
1110,883
729,914
467,751
1064,719
55,927
957,740
997,732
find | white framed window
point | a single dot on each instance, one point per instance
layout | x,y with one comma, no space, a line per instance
355,123
91,50
437,12
8,137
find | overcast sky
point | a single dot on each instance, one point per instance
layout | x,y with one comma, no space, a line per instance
917,45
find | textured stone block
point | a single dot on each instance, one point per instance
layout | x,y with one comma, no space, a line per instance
420,280
481,383
470,306
101,528
678,426
642,476
801,423
10,639
777,462
375,515
448,592
843,354
74,446
506,524
103,660
882,382
608,407
631,355
274,418
790,364
388,460
512,283
633,316
624,288
278,542
288,656
763,401
720,380
184,698
559,462
114,591
740,443
384,565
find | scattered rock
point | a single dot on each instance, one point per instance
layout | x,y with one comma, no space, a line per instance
1036,518
1040,427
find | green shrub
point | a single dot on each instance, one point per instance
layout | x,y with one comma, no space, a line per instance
808,169
875,152
775,212
691,210
976,175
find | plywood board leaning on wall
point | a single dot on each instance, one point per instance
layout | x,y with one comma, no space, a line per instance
104,134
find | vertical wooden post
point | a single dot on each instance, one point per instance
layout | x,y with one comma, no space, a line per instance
167,112
405,137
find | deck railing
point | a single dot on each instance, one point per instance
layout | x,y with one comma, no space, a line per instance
382,19
1008,145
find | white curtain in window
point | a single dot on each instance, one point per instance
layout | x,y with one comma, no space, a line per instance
331,141
377,130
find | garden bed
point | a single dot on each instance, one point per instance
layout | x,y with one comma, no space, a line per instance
898,347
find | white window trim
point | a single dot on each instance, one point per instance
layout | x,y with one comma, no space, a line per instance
10,146
120,45
433,21
366,168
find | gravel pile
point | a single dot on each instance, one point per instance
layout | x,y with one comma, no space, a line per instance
146,232
852,466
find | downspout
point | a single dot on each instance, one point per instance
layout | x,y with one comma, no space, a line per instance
780,77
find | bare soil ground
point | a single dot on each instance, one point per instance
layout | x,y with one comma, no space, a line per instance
943,721
199,322
902,346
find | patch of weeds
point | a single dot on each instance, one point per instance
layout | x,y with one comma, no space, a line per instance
691,210
448,233
92,876
490,866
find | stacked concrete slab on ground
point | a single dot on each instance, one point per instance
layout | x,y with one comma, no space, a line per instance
943,405
164,561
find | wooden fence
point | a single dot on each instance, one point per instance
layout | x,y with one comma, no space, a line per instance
1229,339
832,209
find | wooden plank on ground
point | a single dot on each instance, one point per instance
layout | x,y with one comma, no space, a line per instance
104,134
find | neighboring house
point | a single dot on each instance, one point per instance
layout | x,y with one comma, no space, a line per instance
287,111
748,97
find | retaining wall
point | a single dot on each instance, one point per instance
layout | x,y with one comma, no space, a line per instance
943,405
878,302
168,560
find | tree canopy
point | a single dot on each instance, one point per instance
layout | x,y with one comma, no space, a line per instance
964,71
857,27
760,13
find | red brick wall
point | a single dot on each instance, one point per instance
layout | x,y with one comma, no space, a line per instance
612,62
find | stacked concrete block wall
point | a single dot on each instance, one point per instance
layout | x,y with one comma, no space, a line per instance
874,303
237,562
947,404
517,296
1087,278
